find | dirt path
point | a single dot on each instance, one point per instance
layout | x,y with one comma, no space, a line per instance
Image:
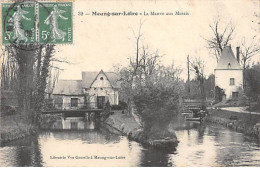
240,110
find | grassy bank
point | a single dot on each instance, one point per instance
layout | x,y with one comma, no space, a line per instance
242,122
14,127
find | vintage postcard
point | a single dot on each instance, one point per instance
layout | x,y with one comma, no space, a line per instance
130,83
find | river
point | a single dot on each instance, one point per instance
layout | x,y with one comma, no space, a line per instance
74,142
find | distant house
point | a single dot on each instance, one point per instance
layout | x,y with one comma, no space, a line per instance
93,91
229,74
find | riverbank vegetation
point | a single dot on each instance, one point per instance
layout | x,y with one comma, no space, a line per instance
14,127
31,75
152,88
246,123
28,74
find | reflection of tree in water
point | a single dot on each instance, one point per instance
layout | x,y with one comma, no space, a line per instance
201,132
154,157
27,152
88,136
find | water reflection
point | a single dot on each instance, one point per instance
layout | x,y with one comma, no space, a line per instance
213,145
69,123
21,153
78,140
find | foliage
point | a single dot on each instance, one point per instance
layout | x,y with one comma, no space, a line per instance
252,82
219,93
153,88
194,92
157,97
156,90
121,106
28,74
209,86
156,103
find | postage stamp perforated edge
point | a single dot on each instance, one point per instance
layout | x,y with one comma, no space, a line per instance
72,22
2,20
36,12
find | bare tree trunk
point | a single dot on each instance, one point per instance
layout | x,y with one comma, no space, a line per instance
25,60
136,65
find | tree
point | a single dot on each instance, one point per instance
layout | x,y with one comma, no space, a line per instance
198,67
209,86
219,93
153,88
26,72
249,50
157,100
133,68
135,64
8,71
221,37
252,79
43,76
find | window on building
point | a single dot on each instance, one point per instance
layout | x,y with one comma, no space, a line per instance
74,102
232,82
101,78
58,102
234,95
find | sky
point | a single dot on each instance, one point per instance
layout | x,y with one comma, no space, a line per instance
100,42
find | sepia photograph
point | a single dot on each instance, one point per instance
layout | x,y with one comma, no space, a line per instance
130,83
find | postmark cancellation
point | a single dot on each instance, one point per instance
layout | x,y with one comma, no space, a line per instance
37,22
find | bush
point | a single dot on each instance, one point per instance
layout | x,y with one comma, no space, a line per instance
121,106
219,93
116,107
7,110
156,105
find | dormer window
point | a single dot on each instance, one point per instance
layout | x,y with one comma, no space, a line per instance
101,78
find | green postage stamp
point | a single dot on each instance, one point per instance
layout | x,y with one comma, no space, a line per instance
55,22
37,22
18,23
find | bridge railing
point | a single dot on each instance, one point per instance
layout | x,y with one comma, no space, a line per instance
72,106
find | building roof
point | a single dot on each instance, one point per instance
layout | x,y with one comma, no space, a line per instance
113,78
227,60
68,87
75,87
88,77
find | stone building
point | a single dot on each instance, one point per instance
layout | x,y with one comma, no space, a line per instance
93,91
229,74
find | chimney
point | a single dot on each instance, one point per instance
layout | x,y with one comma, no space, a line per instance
238,52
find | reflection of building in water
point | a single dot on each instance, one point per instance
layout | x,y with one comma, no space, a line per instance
71,123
